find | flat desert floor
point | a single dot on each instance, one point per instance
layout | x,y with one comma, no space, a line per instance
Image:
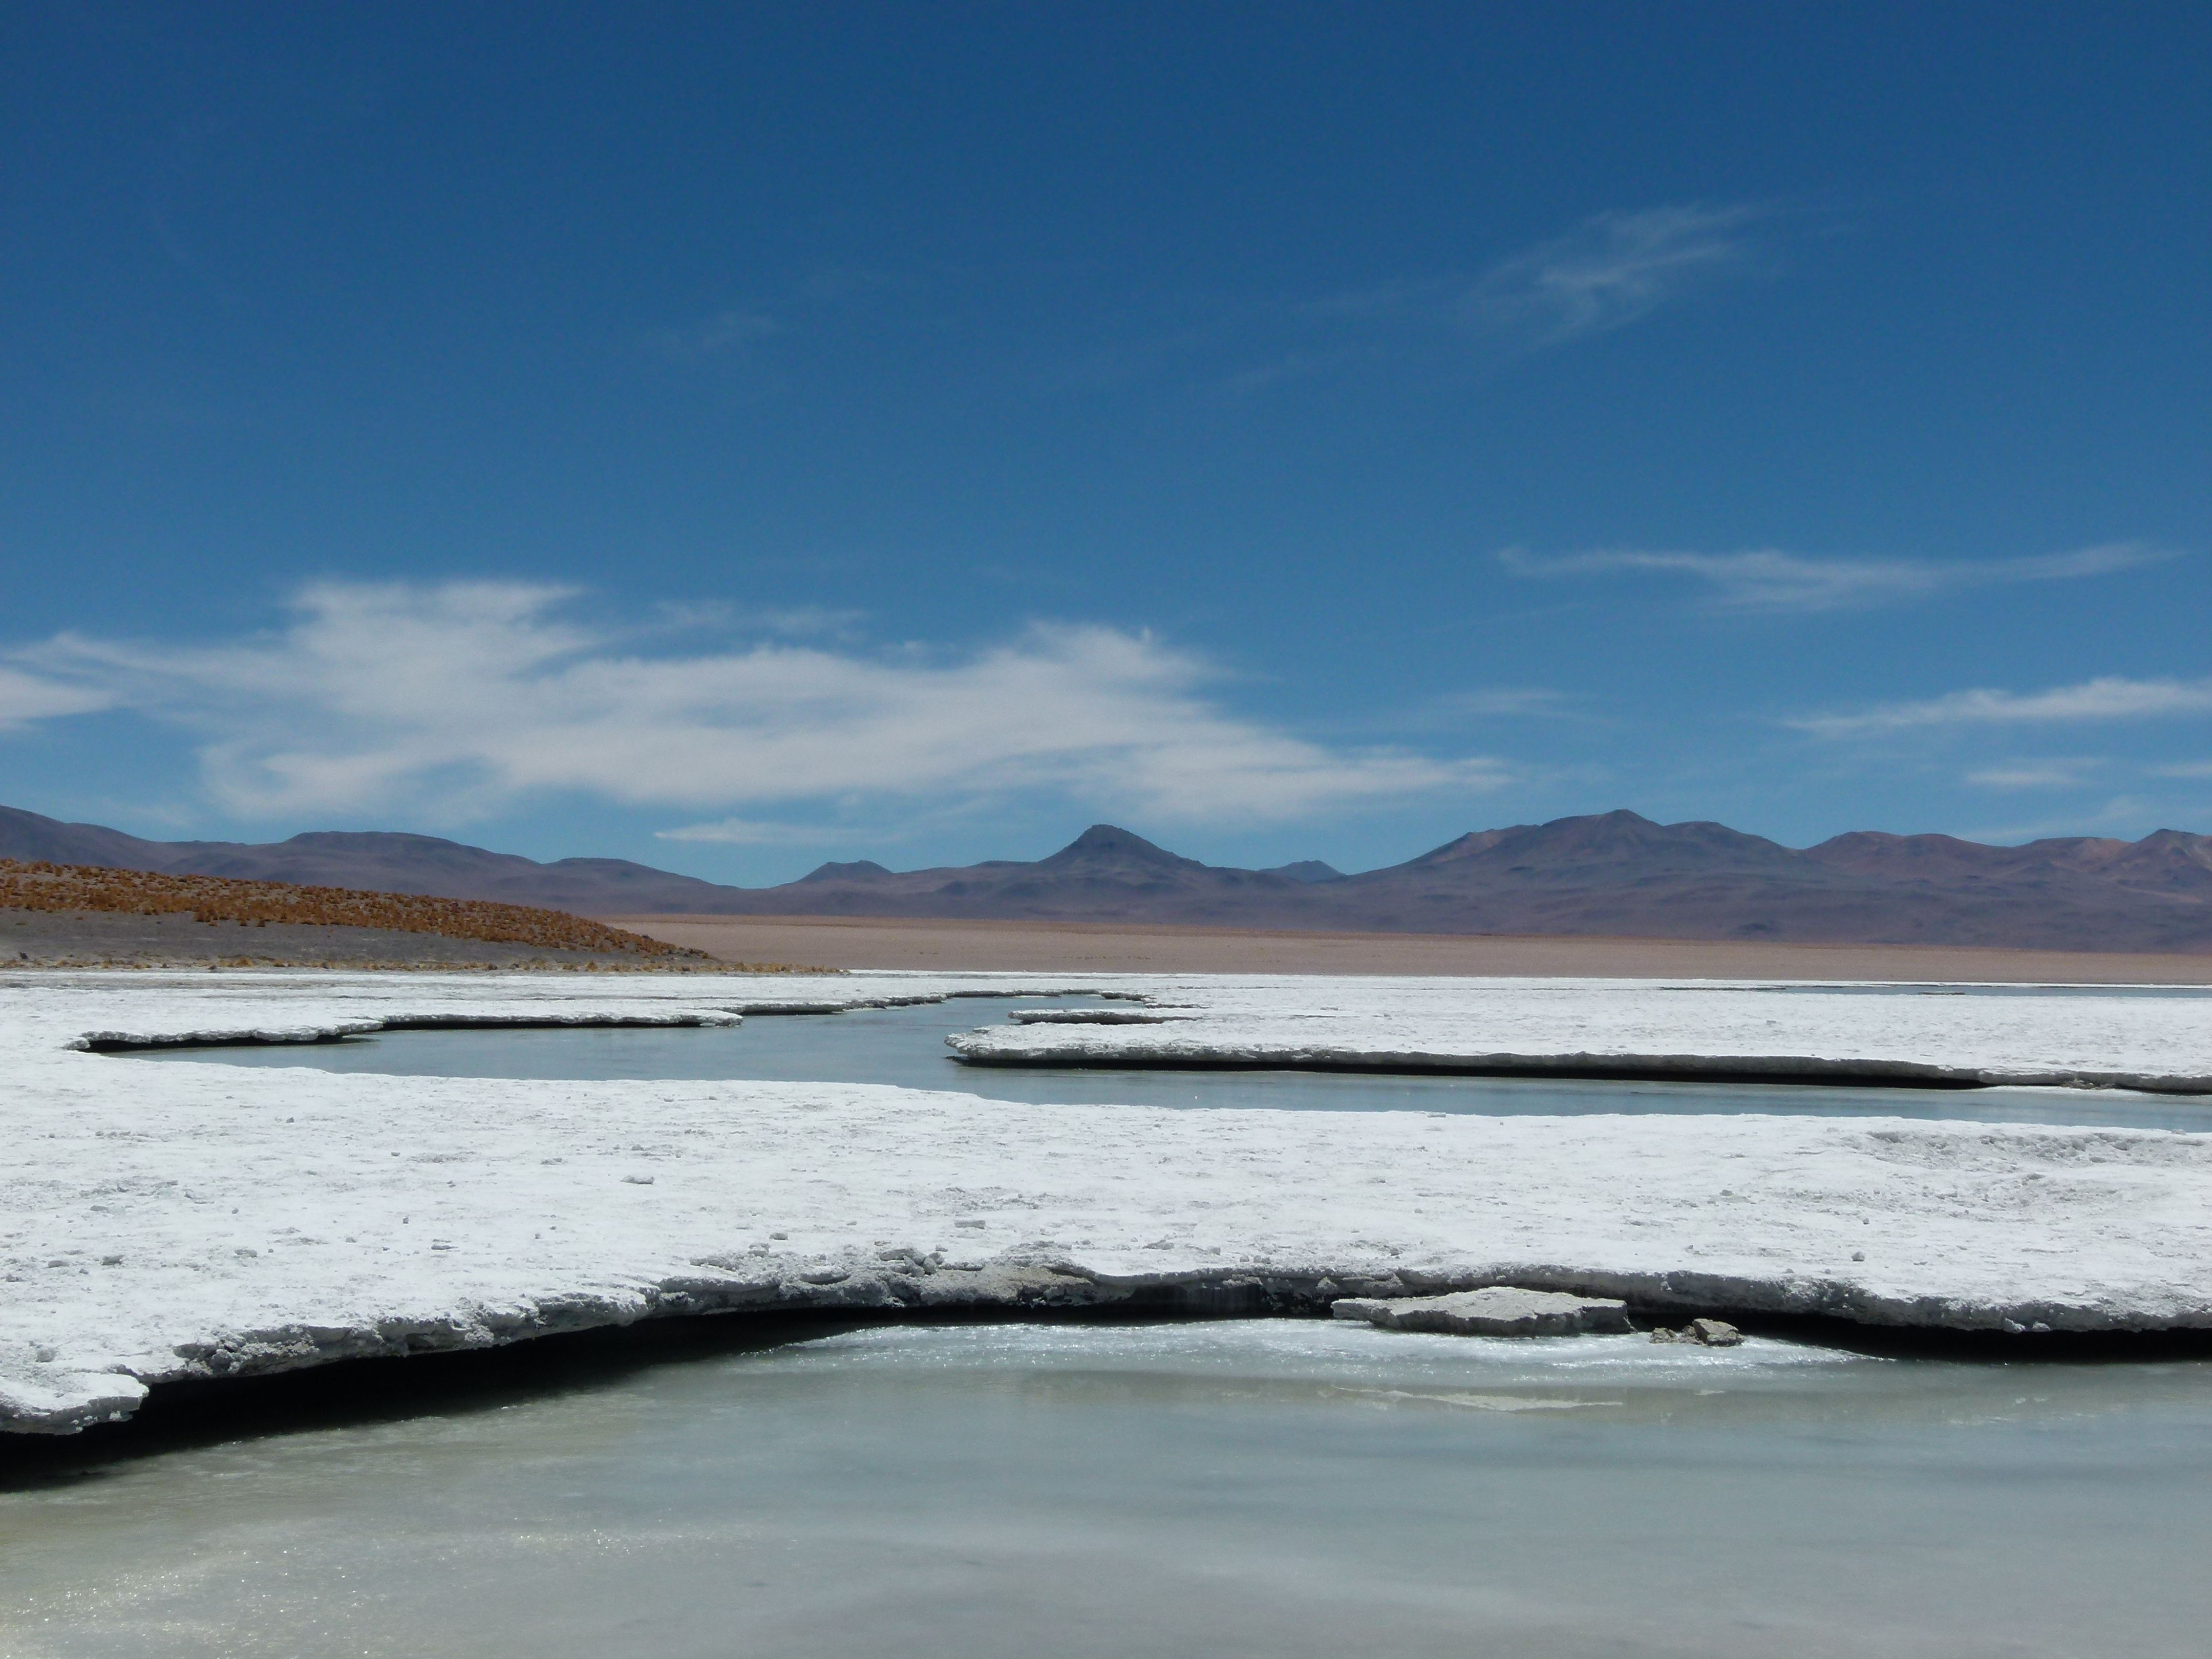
930,946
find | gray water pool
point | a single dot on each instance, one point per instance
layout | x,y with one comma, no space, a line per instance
1271,1488
906,1046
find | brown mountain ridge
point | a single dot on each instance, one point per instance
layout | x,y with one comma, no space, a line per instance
1611,873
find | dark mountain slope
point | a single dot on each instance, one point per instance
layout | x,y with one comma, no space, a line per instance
1306,870
1105,874
377,860
1603,847
1610,873
28,837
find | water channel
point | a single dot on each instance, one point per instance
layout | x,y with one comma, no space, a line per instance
906,1046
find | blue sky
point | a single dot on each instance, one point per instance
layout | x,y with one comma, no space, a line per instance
735,437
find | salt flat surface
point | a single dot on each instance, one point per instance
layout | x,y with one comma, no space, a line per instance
162,1222
2112,1038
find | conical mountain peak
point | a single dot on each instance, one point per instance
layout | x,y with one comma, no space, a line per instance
1107,842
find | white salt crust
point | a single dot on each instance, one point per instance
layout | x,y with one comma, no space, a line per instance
1929,1034
159,1222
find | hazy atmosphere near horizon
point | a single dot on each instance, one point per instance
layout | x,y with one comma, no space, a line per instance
767,434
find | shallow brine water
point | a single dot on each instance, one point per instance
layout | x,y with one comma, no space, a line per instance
906,1046
1283,1488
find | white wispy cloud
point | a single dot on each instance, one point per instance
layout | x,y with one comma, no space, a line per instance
1616,267
1606,272
2034,774
2184,769
465,697
1492,703
754,832
2107,698
25,698
1770,580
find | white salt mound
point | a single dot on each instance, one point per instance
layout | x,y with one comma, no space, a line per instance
1497,1310
1705,1332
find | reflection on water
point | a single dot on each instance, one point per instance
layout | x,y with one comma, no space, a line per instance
1272,1487
906,1046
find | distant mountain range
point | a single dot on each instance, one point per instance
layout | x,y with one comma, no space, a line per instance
379,861
1612,874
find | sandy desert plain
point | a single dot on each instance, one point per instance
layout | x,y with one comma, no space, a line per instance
937,946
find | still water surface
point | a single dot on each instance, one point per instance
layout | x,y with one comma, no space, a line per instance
1278,1488
906,1046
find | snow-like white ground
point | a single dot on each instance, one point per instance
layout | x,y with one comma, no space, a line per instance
1931,1033
162,1222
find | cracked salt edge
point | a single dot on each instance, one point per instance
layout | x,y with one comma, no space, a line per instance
64,1402
42,1388
1722,1031
112,1041
996,1048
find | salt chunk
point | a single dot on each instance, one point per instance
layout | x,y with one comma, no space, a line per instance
1497,1310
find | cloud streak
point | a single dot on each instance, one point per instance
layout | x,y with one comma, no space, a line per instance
748,832
1770,580
466,697
2034,774
2108,698
28,698
1609,271
1615,268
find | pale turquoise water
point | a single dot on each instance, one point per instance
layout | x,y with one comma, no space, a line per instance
906,1046
1286,1489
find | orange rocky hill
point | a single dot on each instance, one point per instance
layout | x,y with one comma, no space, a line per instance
76,888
